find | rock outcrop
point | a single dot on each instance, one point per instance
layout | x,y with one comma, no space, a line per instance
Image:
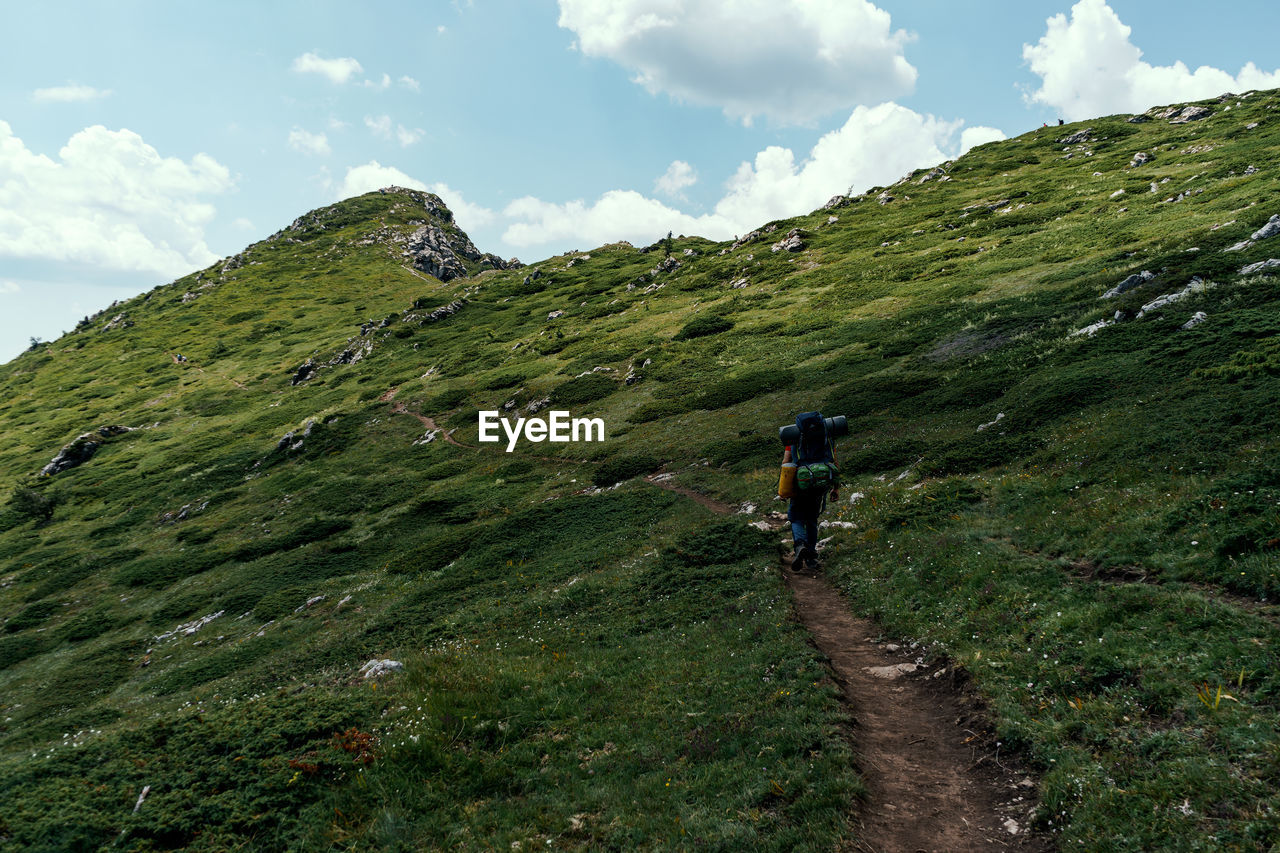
81,449
1129,283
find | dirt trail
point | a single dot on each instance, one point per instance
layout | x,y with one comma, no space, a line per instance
934,776
402,409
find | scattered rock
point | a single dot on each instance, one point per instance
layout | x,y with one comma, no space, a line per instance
999,417
667,264
1129,283
884,197
376,668
1078,137
836,201
1260,266
1266,232
891,672
791,243
1142,158
832,220
935,172
739,284
1196,285
1196,319
304,372
1192,113
186,629
1117,193
538,405
1239,247
1092,329
1251,170
555,314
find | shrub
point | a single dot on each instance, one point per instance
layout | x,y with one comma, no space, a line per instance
621,468
706,324
584,389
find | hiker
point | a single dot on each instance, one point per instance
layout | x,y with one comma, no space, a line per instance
817,474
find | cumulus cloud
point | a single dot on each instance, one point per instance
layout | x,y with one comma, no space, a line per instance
309,143
380,125
790,60
336,70
374,176
875,146
409,83
69,93
1089,67
383,83
110,200
678,176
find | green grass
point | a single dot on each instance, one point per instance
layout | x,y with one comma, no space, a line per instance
611,667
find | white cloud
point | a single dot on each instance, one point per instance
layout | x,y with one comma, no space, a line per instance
381,125
409,83
1089,67
406,136
337,70
374,176
336,123
242,223
309,143
875,146
790,60
678,176
109,200
972,137
9,287
68,93
384,83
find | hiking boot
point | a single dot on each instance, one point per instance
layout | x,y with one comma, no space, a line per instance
812,563
798,561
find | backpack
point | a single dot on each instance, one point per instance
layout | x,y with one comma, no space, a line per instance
816,469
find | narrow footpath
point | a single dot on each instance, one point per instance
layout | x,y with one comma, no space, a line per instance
935,779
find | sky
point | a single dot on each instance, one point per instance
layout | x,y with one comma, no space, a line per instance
143,139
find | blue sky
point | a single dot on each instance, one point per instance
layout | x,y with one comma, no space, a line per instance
142,140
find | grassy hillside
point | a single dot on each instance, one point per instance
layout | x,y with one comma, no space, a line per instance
1087,523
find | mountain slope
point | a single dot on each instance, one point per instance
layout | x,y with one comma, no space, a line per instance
1084,521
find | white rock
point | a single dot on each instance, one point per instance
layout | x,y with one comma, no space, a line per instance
1250,269
376,668
1198,318
891,672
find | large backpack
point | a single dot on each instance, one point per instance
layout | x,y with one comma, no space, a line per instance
815,460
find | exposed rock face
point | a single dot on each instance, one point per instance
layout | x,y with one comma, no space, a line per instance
835,201
120,321
433,253
81,449
1129,283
